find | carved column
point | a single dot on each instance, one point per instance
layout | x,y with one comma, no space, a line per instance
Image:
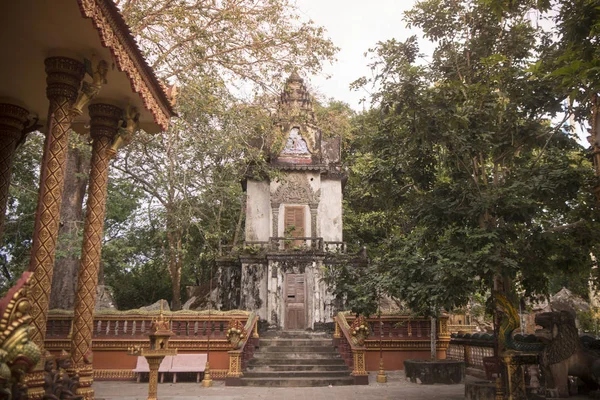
359,372
103,128
275,210
313,219
64,77
12,123
313,227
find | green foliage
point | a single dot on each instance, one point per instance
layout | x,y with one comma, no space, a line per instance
465,172
21,208
357,286
136,270
185,183
588,321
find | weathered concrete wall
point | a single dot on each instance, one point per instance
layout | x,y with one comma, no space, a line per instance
258,211
229,278
329,225
254,286
319,303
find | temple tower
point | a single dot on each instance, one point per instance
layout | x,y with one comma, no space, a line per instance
293,222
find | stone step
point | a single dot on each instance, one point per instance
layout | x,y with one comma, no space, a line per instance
298,367
296,355
296,358
295,335
296,374
295,342
296,382
297,349
294,361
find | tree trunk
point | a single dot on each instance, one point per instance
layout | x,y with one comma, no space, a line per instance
64,280
174,246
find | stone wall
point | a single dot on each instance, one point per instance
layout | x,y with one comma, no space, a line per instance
254,285
229,278
330,211
258,211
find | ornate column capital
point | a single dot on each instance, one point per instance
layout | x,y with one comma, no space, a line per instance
12,120
63,78
104,120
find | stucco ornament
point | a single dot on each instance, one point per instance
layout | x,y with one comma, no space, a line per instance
235,333
295,189
360,330
295,145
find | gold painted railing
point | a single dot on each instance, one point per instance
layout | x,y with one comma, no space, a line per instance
402,327
239,357
352,353
116,329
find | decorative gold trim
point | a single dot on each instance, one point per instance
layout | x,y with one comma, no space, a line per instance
218,374
129,375
337,333
404,345
115,36
359,363
114,374
235,364
55,313
124,345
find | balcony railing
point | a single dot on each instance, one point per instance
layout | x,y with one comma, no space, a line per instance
295,244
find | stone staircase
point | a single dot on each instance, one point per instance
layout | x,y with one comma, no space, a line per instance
294,359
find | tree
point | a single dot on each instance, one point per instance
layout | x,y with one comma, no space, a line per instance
68,251
215,52
484,179
191,179
21,209
257,41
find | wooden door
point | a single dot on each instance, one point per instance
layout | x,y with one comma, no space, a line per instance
295,301
294,225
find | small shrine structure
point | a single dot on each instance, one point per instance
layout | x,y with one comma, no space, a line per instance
293,223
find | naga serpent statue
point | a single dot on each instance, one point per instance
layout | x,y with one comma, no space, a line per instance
506,341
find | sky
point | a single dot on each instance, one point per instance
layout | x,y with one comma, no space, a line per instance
354,26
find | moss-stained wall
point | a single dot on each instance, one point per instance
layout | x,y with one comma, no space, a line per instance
254,286
229,278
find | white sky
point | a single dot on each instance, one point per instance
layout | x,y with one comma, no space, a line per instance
355,26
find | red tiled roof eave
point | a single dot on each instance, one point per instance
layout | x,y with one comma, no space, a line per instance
117,37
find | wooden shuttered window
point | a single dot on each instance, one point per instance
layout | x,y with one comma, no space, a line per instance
294,223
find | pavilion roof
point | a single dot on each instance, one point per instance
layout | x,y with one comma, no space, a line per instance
31,30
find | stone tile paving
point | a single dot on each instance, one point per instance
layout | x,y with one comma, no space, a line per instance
397,388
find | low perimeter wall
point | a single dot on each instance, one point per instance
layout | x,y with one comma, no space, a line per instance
397,337
115,332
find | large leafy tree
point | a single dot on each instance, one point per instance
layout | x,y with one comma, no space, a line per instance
180,189
215,51
475,177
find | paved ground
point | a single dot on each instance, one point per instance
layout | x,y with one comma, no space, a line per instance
397,388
